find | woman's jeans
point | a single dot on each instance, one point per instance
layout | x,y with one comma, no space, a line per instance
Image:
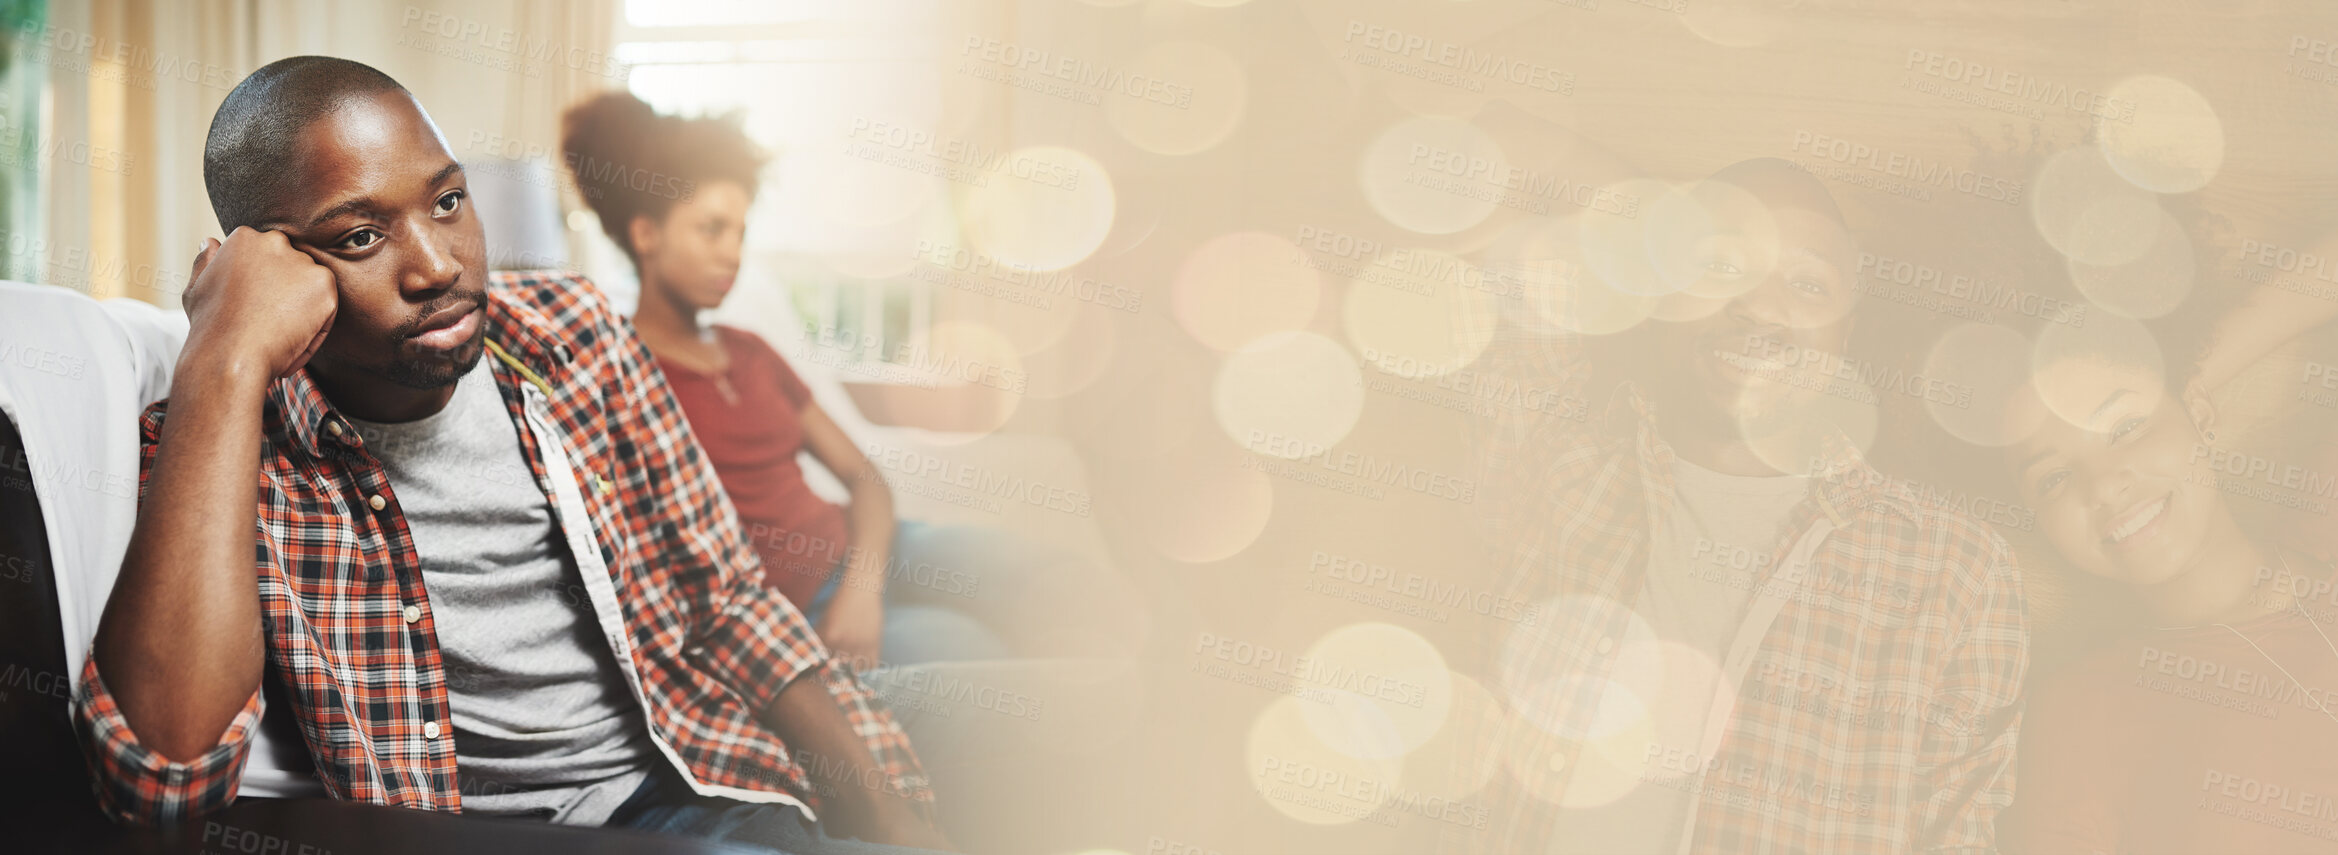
956,593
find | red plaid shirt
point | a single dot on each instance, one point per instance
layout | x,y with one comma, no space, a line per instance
1876,713
679,596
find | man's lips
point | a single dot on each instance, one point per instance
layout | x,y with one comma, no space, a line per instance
449,327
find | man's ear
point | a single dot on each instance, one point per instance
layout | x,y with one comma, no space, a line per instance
644,235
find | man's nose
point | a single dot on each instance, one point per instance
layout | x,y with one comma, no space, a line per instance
1760,307
435,266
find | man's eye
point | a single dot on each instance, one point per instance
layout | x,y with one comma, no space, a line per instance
2125,427
1723,267
451,201
361,239
1808,287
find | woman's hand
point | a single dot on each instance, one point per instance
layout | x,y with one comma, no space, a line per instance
854,627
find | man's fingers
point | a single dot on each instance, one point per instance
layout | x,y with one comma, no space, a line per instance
202,260
315,342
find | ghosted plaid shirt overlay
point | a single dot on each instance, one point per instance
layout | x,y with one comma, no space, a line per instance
704,644
1871,699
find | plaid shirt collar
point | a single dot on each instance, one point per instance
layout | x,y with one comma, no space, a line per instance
1841,479
305,410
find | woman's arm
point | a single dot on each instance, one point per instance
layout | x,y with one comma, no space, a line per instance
855,622
2266,319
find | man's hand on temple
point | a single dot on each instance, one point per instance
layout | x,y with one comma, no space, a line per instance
257,299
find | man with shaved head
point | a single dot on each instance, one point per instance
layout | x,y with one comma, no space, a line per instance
1748,640
508,586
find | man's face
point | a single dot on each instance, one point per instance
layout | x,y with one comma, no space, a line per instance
383,205
1766,321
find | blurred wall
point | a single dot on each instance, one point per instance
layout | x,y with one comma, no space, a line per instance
135,82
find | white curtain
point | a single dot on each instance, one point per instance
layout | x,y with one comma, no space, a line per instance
133,84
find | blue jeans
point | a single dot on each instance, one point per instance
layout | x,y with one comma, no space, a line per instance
666,805
1010,746
958,593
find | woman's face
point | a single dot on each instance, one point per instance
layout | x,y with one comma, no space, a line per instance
2117,471
693,256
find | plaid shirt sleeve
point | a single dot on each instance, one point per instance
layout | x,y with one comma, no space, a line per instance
1515,446
1968,748
134,784
746,634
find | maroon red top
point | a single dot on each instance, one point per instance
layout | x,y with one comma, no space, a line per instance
750,420
2190,740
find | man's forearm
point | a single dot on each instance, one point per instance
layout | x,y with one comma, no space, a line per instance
858,799
180,645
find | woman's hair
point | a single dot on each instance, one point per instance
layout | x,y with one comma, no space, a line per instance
630,161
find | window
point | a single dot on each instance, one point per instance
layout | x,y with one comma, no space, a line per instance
804,72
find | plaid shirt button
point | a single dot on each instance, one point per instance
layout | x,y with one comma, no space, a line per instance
1606,645
377,502
413,613
333,428
430,730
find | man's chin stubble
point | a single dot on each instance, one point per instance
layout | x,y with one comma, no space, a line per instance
427,375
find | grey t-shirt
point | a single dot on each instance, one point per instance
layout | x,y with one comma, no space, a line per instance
1704,560
544,723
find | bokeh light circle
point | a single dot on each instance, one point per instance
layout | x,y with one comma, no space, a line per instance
1195,511
2090,214
1619,250
1427,174
2173,142
1240,286
2068,365
1045,208
1425,313
1309,781
985,366
1288,394
1796,437
1391,690
1683,683
1989,367
854,190
1454,763
2148,286
1564,628
1079,358
1192,98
